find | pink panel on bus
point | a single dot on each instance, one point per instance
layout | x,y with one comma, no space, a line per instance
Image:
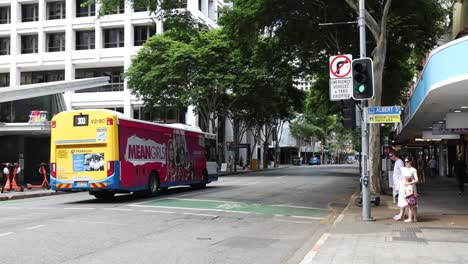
177,155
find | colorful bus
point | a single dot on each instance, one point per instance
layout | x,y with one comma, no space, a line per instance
105,153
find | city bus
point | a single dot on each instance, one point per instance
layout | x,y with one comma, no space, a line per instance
105,153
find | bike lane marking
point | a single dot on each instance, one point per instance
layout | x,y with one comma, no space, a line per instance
237,207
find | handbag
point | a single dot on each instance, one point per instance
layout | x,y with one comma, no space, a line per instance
411,200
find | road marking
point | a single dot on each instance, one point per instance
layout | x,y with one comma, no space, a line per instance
214,216
187,208
34,227
296,222
41,208
9,207
155,211
88,222
79,208
6,234
118,209
280,177
308,217
310,256
303,207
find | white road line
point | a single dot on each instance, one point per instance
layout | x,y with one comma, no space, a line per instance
118,209
34,227
204,200
41,208
300,207
214,216
6,234
88,222
188,208
79,208
310,256
155,211
308,217
296,222
280,177
9,207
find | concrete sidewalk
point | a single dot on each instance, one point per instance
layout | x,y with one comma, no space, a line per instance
13,195
439,236
241,171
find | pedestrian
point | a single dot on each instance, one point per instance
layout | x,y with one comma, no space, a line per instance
459,170
432,164
411,200
408,171
396,177
420,165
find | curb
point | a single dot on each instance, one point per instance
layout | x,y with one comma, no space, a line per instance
26,196
249,171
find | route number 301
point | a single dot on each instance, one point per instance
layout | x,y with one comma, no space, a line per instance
80,120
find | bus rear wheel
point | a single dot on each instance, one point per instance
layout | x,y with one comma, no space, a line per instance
203,183
103,195
153,185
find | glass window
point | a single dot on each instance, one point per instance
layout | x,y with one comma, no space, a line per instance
85,40
29,44
29,13
200,5
55,42
142,33
4,79
5,15
113,38
120,9
85,10
116,82
5,46
42,76
56,10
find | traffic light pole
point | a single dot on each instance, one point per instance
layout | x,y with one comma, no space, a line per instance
366,214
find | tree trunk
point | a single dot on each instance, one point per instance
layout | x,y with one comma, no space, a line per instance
236,143
265,154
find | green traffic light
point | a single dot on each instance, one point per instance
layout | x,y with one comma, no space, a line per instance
361,88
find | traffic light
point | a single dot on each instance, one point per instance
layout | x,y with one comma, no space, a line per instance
363,79
348,111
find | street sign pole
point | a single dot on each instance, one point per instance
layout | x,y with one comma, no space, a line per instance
366,214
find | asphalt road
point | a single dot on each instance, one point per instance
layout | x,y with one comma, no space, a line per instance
268,217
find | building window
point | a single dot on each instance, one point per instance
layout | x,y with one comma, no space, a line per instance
42,76
4,79
56,10
137,8
29,44
5,15
200,5
29,13
5,46
120,9
85,10
116,82
56,42
84,40
143,33
113,38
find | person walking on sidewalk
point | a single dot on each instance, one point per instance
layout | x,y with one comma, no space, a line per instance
406,172
396,177
432,164
420,165
411,200
459,169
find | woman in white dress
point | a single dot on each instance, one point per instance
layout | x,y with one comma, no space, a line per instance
406,172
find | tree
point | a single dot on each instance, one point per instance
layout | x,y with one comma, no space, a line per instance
198,72
407,28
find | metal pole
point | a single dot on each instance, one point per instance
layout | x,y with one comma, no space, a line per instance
366,214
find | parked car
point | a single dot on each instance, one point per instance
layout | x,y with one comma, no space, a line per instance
314,161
